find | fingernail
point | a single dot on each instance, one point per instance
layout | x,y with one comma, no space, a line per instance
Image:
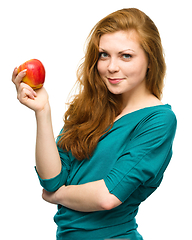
23,72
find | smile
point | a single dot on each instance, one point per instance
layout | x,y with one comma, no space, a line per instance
115,80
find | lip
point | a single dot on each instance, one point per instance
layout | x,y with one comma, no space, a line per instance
115,80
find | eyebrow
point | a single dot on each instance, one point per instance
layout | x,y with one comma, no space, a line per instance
120,51
127,50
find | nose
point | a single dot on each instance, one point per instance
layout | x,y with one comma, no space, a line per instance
113,65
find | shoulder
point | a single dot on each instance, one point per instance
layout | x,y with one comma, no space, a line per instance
158,120
160,114
155,126
163,114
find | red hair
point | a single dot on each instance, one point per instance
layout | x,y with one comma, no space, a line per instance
93,110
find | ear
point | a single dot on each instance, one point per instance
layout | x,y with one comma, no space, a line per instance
148,67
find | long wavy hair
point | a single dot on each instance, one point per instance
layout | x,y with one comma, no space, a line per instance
94,108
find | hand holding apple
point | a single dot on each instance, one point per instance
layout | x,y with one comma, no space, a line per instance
35,74
36,100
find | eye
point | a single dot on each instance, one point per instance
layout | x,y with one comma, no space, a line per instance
126,56
103,55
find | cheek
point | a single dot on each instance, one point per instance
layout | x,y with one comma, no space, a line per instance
101,68
137,71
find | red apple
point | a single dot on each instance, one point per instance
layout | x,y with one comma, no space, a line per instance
35,75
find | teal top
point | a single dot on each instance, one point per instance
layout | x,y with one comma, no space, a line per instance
131,158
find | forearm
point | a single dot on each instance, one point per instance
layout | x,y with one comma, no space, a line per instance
81,197
48,163
89,197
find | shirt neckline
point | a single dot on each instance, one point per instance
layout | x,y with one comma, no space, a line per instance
142,109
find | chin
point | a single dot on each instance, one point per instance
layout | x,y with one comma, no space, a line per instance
115,92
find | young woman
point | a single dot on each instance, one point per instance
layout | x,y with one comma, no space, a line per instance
117,137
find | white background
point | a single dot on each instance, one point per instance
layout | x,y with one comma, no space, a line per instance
54,32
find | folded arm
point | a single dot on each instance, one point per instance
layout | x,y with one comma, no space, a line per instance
89,197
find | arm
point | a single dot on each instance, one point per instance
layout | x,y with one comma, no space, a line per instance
47,156
48,163
89,197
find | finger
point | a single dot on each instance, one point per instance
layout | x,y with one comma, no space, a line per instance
14,74
26,86
25,94
45,195
19,78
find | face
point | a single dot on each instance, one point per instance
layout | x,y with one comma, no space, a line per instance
122,62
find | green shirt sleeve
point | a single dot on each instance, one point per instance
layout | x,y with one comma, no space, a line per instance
145,157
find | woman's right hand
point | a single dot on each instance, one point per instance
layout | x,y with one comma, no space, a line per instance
36,100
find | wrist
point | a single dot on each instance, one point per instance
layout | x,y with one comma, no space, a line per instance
46,111
50,197
59,195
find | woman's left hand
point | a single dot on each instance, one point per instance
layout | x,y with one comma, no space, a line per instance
49,197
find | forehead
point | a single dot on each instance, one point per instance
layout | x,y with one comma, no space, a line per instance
120,40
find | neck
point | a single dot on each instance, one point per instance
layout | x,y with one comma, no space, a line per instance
136,97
